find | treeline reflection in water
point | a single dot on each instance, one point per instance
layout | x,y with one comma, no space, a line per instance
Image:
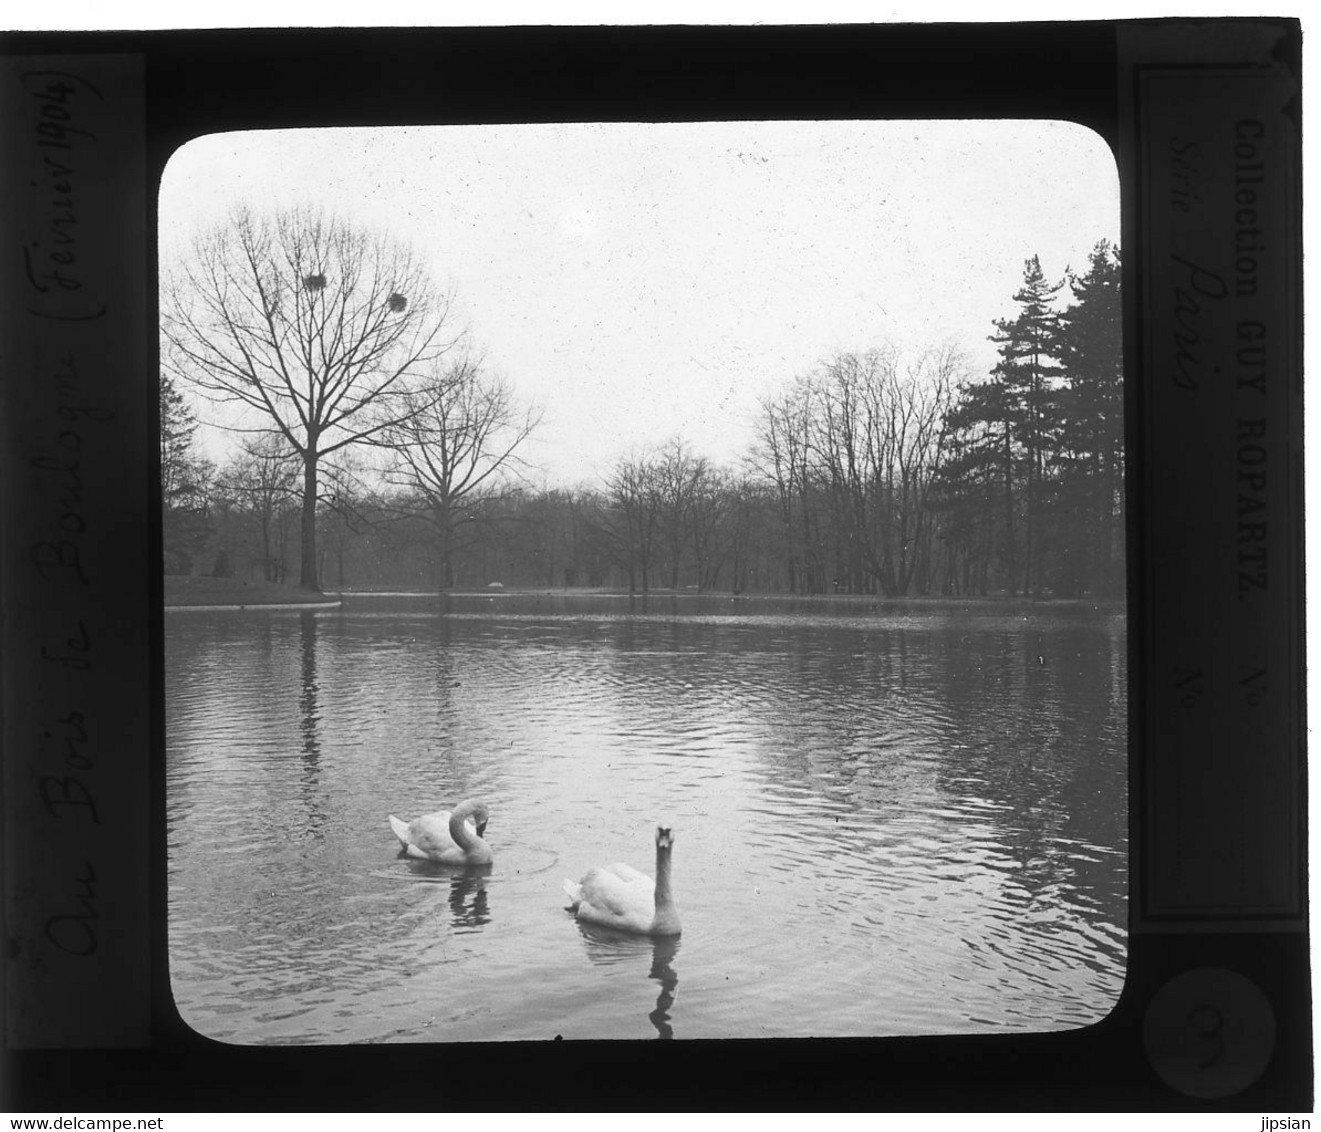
886,822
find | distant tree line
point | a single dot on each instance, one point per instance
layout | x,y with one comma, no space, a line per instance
383,455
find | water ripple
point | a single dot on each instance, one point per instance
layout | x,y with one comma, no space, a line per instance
884,823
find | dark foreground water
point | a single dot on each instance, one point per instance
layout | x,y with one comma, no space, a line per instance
886,822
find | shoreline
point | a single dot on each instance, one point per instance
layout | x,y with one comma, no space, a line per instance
184,593
189,594
253,605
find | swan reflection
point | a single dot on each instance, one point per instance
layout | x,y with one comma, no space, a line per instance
663,951
609,948
469,907
468,900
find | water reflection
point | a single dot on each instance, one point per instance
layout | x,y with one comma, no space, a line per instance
893,824
613,949
468,901
309,718
663,952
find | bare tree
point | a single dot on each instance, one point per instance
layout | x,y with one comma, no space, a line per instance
454,449
263,476
782,454
879,438
920,406
676,480
719,528
852,450
626,526
321,328
850,447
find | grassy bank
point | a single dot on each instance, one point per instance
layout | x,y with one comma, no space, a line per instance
187,590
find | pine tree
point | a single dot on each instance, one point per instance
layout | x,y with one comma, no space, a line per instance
1090,346
996,487
975,490
1027,374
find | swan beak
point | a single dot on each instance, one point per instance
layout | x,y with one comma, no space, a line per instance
481,829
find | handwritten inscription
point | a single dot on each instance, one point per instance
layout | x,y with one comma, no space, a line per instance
1194,289
67,795
1194,286
72,652
1184,195
60,469
76,345
52,263
71,739
62,277
74,932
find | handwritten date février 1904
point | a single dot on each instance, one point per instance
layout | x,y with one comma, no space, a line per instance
59,271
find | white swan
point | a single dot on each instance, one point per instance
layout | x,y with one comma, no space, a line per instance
618,896
447,838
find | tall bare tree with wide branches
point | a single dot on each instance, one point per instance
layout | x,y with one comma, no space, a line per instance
455,453
325,330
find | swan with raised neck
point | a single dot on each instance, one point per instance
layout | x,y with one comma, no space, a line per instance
619,896
447,838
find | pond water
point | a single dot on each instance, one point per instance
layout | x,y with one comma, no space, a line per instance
888,820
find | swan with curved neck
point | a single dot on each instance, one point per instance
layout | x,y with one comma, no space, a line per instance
619,896
447,838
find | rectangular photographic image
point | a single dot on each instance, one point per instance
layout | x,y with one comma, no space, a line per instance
631,580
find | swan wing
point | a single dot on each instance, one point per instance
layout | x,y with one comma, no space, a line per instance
629,875
400,830
431,832
428,837
617,901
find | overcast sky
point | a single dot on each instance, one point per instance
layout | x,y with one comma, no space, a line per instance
644,281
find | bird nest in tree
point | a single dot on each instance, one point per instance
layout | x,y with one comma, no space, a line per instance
397,302
314,282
